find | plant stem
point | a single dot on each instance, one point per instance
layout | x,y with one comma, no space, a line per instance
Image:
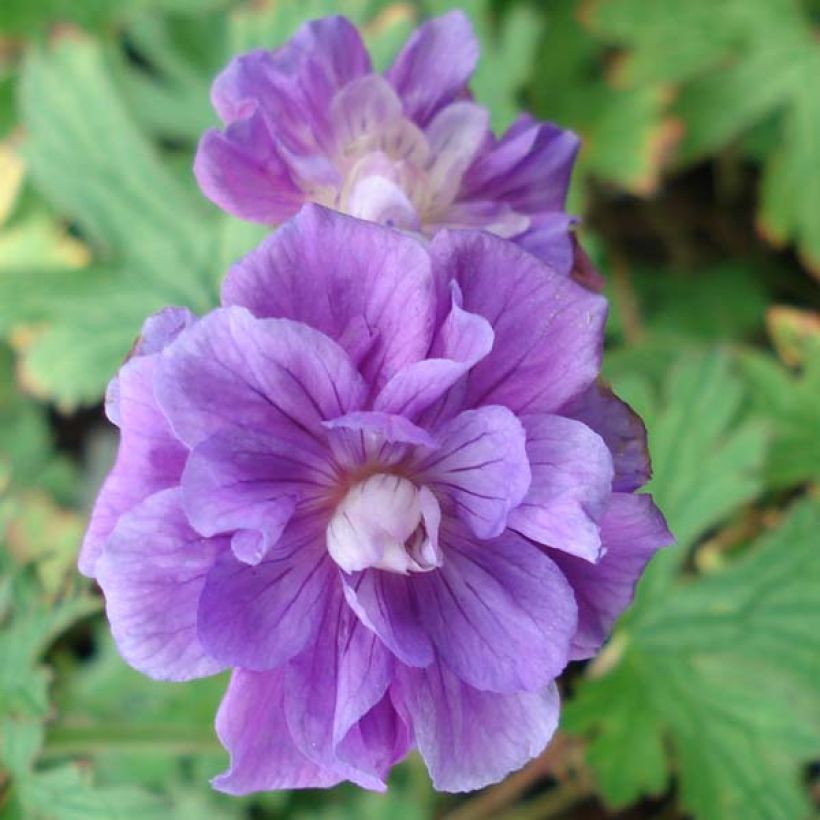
70,741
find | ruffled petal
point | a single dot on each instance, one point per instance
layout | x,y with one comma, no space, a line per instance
548,330
152,573
632,531
332,685
529,167
551,239
469,738
251,725
334,272
294,85
274,376
385,604
258,617
149,458
622,430
480,467
243,172
571,486
500,614
243,483
462,339
435,65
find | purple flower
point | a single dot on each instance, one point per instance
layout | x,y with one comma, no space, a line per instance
383,484
312,122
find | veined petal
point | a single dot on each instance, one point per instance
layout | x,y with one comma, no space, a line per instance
469,738
243,483
548,329
258,617
251,725
435,65
331,271
571,486
500,614
480,467
153,572
272,376
632,531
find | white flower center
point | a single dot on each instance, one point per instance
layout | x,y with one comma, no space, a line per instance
386,522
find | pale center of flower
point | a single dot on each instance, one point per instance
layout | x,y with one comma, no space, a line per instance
385,522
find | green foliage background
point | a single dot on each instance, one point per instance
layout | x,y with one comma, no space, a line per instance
699,184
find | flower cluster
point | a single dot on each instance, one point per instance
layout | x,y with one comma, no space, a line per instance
383,482
312,122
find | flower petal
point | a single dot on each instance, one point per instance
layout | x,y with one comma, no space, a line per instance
327,694
243,483
152,572
550,238
244,172
258,617
295,84
435,65
500,614
632,531
149,458
571,486
529,167
251,725
548,329
481,467
235,372
462,339
332,271
468,738
385,604
622,430
455,135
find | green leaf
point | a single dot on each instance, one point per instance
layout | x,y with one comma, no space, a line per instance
625,134
707,458
722,669
790,404
739,63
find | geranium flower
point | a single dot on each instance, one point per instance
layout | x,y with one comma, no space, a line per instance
312,122
382,484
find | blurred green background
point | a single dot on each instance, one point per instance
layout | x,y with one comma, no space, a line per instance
699,185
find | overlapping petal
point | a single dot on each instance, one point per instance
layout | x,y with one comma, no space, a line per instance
153,572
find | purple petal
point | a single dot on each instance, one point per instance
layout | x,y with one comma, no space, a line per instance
240,482
332,271
550,238
244,173
378,741
501,614
435,65
468,738
622,430
161,329
258,617
455,135
149,458
633,530
571,486
529,167
152,572
480,466
363,107
332,685
235,372
548,330
385,604
495,217
462,340
381,427
294,85
251,725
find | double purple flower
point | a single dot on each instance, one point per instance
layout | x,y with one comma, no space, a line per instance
312,122
384,485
